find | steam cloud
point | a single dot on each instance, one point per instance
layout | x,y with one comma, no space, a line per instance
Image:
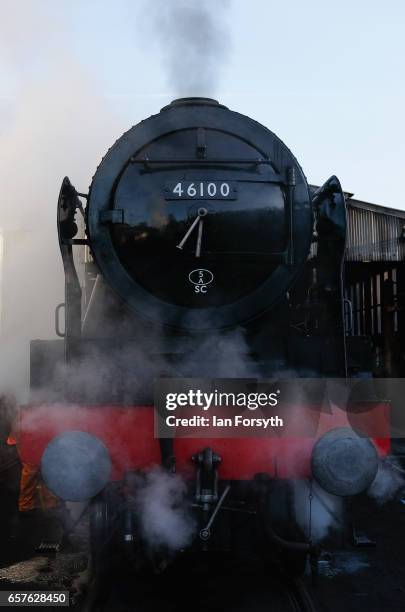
126,374
324,512
390,479
326,509
52,103
160,504
194,41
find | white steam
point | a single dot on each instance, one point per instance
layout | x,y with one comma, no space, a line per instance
324,513
162,511
220,355
318,516
53,123
390,479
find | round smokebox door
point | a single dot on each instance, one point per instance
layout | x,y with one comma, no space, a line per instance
199,218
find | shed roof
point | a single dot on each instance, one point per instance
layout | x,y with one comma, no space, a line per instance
375,233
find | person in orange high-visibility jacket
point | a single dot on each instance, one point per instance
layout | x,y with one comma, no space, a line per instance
33,492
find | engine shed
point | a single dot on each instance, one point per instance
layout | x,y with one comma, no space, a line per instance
374,282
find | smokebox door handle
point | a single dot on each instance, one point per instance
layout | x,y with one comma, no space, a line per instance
57,318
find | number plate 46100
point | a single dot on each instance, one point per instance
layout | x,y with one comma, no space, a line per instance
201,190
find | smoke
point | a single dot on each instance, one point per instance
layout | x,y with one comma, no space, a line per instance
162,511
390,479
318,516
194,42
53,123
126,373
219,355
324,512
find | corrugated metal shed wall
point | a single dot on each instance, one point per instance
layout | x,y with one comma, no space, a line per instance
374,233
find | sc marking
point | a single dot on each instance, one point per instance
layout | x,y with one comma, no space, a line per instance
200,289
201,278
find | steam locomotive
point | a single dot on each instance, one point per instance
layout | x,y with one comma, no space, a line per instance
199,225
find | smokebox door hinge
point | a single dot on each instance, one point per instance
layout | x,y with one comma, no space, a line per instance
201,144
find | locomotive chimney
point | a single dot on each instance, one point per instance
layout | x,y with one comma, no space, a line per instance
193,101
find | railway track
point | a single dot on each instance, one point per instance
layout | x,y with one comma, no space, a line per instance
235,591
301,598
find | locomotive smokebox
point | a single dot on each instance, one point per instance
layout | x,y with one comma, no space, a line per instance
343,462
199,217
75,466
